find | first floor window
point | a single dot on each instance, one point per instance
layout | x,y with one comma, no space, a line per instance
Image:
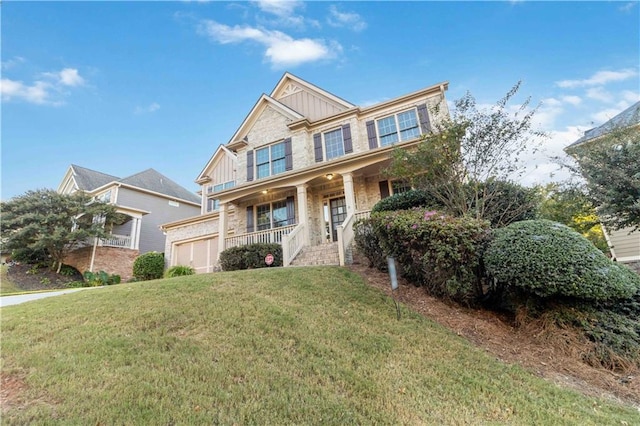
212,205
399,186
272,215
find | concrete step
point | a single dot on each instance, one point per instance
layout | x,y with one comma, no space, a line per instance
324,254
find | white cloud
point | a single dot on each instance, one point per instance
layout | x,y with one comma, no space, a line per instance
280,8
628,6
599,94
573,100
48,90
630,96
281,50
70,77
37,93
345,19
599,78
10,63
153,107
605,115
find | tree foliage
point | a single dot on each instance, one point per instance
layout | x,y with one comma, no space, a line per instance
45,221
458,163
611,167
570,204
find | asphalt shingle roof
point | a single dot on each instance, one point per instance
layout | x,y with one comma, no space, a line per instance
151,180
626,118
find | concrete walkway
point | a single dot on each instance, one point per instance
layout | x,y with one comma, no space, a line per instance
21,298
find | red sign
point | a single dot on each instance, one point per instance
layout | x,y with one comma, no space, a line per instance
268,259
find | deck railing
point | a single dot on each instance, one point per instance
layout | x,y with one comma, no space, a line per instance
267,236
346,234
113,240
292,244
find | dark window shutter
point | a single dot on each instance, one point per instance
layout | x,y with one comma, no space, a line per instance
291,211
384,189
317,146
250,227
288,155
371,134
346,137
423,116
249,166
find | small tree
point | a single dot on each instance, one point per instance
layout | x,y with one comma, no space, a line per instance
460,162
44,220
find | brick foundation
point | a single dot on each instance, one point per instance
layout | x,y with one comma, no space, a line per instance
109,259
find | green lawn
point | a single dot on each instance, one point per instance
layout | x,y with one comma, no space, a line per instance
277,346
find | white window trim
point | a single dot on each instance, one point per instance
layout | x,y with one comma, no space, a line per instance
269,149
398,131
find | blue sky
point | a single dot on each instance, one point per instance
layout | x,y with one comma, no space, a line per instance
120,87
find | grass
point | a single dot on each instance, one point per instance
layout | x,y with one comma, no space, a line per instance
277,346
6,286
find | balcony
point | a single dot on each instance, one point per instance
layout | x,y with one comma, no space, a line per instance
266,236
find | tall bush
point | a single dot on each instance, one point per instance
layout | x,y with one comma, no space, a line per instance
405,201
368,244
149,266
440,252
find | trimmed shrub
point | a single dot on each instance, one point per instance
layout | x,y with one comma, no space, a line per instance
405,201
148,266
100,278
437,251
547,259
368,245
250,256
179,271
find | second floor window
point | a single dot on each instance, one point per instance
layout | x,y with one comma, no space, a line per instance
334,144
212,205
220,186
398,127
270,160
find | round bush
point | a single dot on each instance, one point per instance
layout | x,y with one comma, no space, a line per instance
179,271
547,259
405,201
149,266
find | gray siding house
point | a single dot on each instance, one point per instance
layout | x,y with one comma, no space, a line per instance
146,200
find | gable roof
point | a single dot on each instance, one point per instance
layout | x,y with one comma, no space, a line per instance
288,78
220,151
151,180
628,117
88,180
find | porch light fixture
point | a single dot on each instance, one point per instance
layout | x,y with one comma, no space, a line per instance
329,176
264,191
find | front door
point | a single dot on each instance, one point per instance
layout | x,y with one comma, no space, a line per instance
338,209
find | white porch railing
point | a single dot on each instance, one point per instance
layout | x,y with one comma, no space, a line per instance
292,244
267,236
113,240
346,234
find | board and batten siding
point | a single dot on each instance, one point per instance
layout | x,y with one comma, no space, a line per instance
310,105
161,212
223,171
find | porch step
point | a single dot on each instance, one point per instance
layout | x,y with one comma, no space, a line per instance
324,254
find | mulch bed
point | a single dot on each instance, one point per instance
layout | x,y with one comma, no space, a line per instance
543,349
23,276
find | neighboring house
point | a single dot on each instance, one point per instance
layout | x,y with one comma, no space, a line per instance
301,168
624,244
144,200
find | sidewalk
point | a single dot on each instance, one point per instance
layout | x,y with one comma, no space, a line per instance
21,298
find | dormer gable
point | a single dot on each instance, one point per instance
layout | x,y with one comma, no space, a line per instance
220,168
308,100
240,138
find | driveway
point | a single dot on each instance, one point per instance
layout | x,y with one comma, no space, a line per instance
21,298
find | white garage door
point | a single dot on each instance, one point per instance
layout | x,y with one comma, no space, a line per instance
201,255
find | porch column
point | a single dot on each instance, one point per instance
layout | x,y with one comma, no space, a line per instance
135,233
303,214
222,227
349,194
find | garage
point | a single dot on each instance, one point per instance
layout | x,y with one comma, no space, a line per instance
200,254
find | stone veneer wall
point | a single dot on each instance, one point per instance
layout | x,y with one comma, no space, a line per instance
112,260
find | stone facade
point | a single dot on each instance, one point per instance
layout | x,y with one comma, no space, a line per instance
112,260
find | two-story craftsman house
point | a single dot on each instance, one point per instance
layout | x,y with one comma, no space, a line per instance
301,168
